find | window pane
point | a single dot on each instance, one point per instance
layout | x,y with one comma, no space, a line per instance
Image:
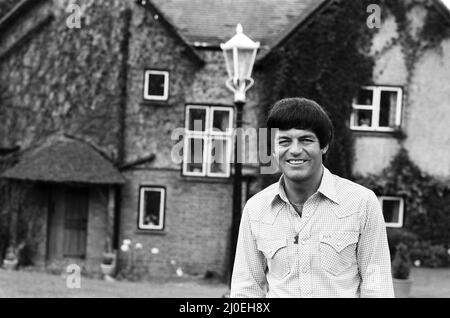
194,158
221,120
219,158
365,97
388,106
391,210
156,84
362,118
152,204
197,119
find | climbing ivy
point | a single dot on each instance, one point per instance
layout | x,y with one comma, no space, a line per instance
326,61
427,199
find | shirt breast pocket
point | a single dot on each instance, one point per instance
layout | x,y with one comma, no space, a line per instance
338,251
277,256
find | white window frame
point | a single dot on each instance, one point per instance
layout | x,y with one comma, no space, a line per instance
162,203
375,108
208,135
401,211
165,96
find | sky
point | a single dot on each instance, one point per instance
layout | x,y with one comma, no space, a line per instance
447,3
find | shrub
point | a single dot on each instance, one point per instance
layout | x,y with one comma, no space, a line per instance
430,255
397,236
401,265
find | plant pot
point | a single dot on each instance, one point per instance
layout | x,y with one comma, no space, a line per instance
402,287
107,269
10,264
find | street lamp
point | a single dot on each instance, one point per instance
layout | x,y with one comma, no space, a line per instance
239,53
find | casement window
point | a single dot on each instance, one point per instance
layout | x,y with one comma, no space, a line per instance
393,210
151,208
156,85
208,141
377,108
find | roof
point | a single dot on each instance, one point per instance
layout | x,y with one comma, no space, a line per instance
211,22
65,161
11,10
158,15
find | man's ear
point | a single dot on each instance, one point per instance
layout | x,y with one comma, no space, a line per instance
324,149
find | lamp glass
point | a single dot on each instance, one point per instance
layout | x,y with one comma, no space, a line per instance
245,63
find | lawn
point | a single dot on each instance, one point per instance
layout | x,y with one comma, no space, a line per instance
26,284
427,283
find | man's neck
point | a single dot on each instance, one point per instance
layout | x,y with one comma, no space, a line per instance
299,192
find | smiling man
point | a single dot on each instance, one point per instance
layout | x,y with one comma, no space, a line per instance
312,233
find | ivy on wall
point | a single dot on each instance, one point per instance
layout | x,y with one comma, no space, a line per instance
326,62
427,199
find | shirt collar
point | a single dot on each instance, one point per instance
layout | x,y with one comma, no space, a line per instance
326,187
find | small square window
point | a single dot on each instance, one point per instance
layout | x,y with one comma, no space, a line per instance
156,85
151,208
392,210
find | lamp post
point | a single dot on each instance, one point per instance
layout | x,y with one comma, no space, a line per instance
239,53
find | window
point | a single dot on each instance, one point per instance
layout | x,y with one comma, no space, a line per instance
208,141
156,85
392,210
377,108
151,208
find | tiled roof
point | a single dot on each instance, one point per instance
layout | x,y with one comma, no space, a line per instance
66,160
214,21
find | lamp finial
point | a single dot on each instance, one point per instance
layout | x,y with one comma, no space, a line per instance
239,28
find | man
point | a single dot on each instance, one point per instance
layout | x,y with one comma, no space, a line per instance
312,233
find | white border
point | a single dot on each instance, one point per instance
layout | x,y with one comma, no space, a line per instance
147,96
162,201
398,224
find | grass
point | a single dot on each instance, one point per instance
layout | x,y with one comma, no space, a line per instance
427,283
28,284
430,282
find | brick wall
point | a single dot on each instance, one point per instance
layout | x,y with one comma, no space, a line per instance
197,222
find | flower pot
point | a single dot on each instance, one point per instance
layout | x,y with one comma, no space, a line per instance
10,264
107,269
402,287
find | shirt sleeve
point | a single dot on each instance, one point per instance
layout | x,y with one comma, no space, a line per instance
373,253
248,278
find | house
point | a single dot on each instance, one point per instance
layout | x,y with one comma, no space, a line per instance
92,96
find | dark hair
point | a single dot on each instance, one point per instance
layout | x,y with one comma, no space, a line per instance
301,113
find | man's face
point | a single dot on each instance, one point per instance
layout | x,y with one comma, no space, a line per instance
298,154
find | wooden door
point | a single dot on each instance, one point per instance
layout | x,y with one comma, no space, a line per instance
67,222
